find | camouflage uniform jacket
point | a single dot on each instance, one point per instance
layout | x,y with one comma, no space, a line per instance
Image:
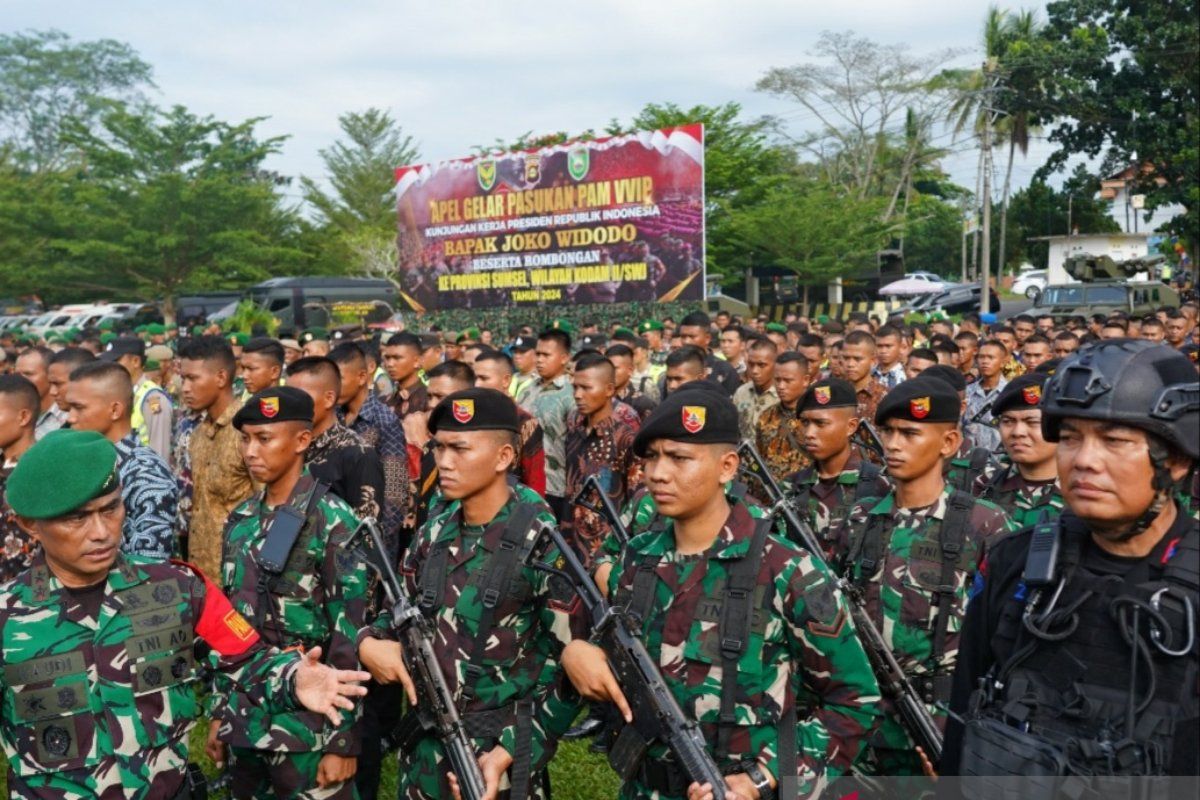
901,592
1027,502
551,402
801,640
750,404
779,441
97,705
319,599
825,502
531,625
969,465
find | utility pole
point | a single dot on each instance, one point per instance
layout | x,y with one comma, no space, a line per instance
985,255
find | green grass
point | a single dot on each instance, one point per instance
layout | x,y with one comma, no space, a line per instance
575,773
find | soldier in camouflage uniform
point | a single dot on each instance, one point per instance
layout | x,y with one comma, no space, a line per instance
499,623
839,477
778,434
904,548
793,632
102,652
975,463
318,599
1027,488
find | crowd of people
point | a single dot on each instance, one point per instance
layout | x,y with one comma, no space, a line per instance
178,512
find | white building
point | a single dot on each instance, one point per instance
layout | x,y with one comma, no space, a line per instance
1127,207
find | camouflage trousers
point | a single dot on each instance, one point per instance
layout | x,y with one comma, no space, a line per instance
424,771
890,752
262,774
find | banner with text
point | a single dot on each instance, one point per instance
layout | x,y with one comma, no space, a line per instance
610,220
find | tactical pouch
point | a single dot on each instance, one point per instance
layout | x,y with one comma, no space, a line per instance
281,535
999,761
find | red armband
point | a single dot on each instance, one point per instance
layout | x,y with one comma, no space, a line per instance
220,624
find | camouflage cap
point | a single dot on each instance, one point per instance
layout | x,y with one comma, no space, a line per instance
39,487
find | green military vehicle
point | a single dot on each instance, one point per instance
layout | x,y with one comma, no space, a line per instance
1104,286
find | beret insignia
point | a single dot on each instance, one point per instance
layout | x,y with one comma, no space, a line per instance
1032,395
822,395
693,418
919,407
463,410
268,406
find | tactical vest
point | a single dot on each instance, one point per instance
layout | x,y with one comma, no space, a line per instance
869,552
1074,699
144,656
967,470
143,390
498,583
742,607
868,474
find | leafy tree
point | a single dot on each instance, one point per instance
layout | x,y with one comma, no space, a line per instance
360,170
933,236
1124,80
168,201
47,81
1040,210
815,229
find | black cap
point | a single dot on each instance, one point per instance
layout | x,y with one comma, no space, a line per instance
947,373
475,410
124,346
694,413
594,341
920,400
523,344
829,393
275,404
1021,394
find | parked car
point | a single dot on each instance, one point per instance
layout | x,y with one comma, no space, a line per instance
1031,283
954,298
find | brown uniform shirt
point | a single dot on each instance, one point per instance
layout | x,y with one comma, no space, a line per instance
221,482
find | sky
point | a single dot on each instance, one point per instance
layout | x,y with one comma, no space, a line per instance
459,74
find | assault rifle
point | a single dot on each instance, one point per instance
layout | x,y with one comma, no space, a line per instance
914,716
602,506
656,714
868,437
435,707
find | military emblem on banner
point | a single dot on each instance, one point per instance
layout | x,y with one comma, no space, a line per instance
693,418
919,407
463,410
485,171
579,161
1032,395
533,168
822,394
269,406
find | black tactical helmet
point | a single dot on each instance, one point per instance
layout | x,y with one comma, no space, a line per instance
1131,381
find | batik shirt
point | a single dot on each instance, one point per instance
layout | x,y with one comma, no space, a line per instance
151,498
606,451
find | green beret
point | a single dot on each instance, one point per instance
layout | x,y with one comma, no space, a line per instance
105,324
140,328
829,393
920,400
40,487
776,327
155,329
621,332
475,410
238,338
314,335
560,325
649,325
697,412
197,330
107,337
822,319
275,404
151,365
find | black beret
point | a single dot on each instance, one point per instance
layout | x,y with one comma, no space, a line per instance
1021,394
947,373
523,344
920,400
124,346
696,413
475,410
275,404
829,393
595,341
1048,367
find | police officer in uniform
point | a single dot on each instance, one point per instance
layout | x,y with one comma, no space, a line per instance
913,553
740,621
285,567
501,622
1079,654
102,651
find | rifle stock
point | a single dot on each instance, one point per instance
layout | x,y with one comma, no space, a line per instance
603,506
435,703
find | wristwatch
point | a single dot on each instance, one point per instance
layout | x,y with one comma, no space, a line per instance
760,780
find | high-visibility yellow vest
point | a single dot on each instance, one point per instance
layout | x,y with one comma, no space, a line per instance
138,420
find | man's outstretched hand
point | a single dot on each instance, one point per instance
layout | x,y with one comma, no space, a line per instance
321,688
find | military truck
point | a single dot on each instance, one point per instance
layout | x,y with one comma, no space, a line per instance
1104,286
